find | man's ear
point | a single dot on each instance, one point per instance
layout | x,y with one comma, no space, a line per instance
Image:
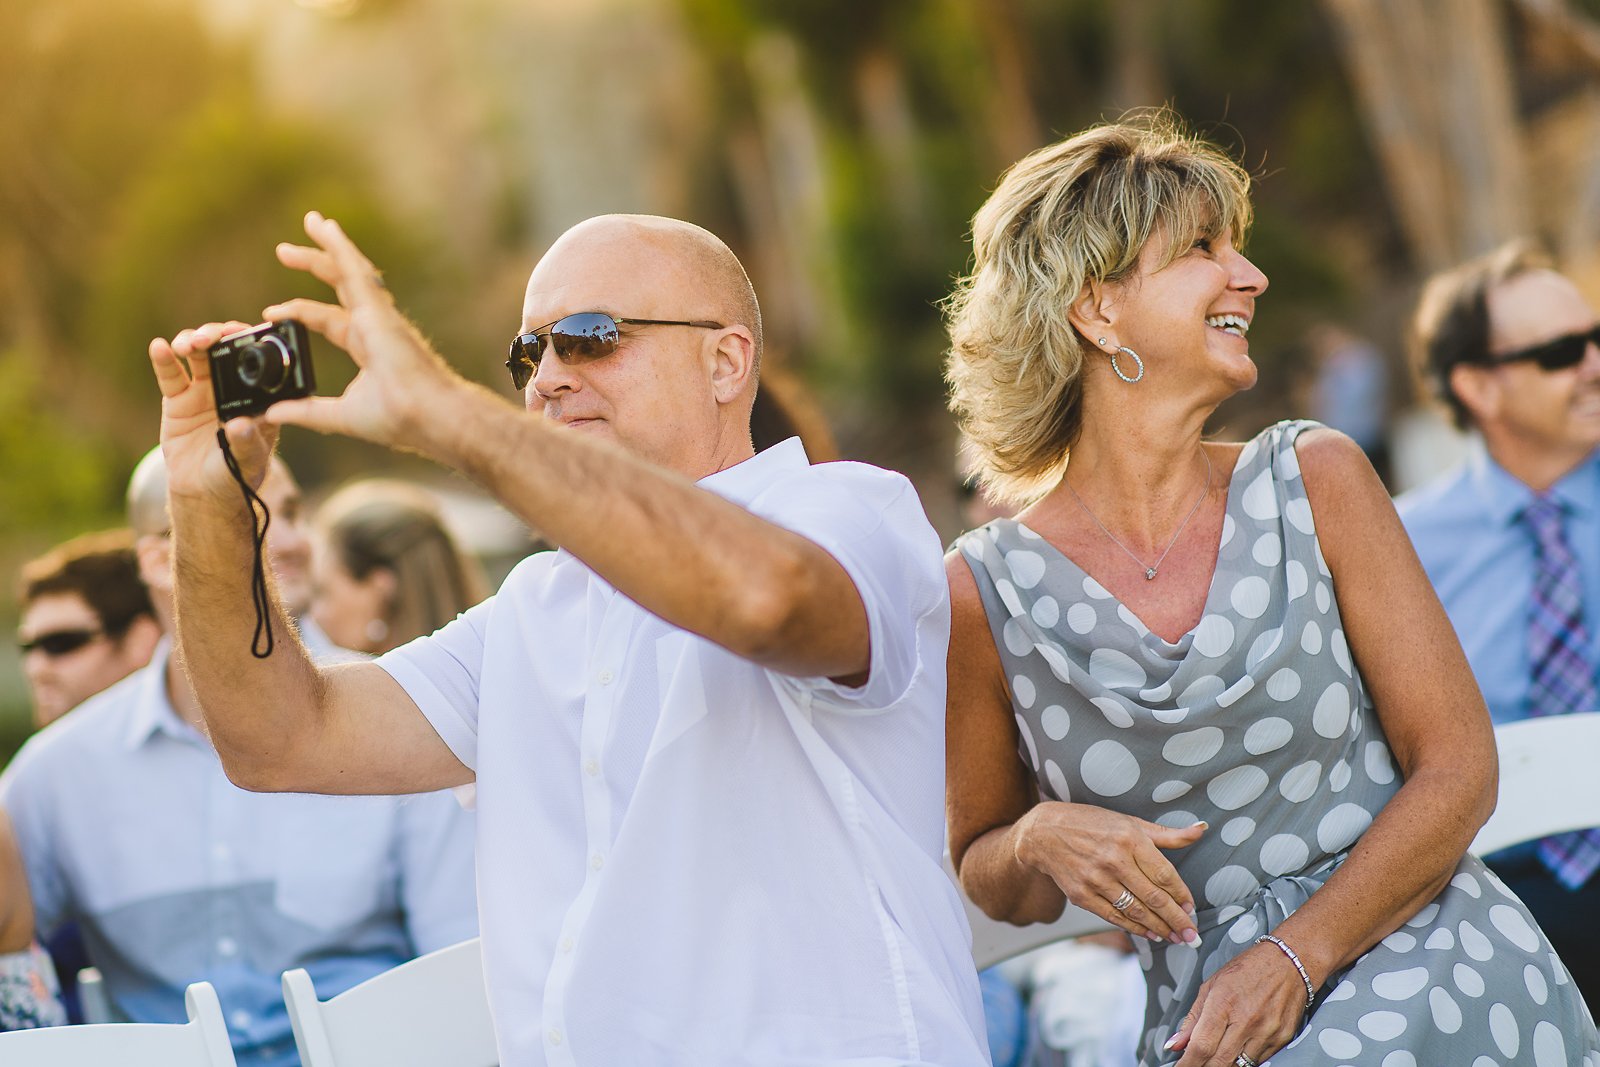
140,639
1480,391
1091,314
155,562
733,362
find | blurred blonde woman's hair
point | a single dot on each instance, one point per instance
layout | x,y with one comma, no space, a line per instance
1072,213
386,524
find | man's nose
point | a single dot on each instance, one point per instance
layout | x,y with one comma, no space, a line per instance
553,376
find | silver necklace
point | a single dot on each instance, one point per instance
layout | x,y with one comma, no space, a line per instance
1150,569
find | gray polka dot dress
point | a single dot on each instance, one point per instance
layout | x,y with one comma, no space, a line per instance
1259,722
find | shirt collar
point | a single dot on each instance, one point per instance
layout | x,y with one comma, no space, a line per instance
1506,496
153,712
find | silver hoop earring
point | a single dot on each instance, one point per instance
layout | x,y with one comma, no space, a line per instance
1136,359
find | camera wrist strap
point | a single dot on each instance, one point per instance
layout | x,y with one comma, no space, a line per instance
259,520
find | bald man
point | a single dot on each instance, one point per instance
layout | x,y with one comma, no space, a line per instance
706,735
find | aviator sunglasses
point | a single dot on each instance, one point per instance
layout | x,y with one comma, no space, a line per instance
1558,353
59,642
576,339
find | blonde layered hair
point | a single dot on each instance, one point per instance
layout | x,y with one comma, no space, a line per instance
1071,214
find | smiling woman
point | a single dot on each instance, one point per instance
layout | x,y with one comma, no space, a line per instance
1175,633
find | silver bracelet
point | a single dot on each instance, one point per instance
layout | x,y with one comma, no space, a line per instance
1294,958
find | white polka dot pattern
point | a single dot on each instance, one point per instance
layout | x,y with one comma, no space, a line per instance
1259,722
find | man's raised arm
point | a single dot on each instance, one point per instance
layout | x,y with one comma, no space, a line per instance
623,501
279,723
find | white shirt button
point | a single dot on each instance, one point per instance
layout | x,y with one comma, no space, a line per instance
566,944
227,946
597,861
555,1036
591,768
604,677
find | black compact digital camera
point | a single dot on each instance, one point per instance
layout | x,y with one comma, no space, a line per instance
253,369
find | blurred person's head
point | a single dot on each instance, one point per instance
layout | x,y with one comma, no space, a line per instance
86,621
1508,345
677,395
387,569
1123,237
288,548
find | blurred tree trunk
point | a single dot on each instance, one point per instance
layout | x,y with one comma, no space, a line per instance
791,146
1136,77
1013,122
1434,83
1562,37
891,129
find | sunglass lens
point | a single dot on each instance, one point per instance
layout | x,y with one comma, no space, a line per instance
584,337
524,359
1563,352
59,643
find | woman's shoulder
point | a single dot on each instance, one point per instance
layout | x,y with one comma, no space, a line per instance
1303,448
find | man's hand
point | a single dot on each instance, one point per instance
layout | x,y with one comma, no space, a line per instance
195,465
397,372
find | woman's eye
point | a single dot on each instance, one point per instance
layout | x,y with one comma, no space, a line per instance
1203,244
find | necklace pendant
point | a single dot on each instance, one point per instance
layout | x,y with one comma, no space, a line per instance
1149,573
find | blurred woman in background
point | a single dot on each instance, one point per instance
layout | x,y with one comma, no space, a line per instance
387,569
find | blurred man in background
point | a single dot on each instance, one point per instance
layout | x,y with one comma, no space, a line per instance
86,621
129,827
1511,537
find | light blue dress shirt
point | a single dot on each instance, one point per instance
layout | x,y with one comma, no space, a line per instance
1467,529
128,824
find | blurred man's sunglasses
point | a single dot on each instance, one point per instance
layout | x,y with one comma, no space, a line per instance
580,338
1556,354
59,642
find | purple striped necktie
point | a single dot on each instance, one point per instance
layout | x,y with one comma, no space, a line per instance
1563,675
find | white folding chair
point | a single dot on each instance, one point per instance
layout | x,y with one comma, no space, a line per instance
994,941
92,996
430,1011
1548,780
201,1042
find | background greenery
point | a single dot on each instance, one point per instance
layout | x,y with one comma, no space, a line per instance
157,149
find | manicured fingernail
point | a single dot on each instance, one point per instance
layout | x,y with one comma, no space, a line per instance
1192,936
1152,936
1202,823
1173,1040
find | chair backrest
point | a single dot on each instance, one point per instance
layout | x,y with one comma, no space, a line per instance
1548,780
201,1042
994,941
432,1010
92,996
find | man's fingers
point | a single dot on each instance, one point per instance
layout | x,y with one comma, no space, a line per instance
171,378
314,261
358,278
324,414
330,320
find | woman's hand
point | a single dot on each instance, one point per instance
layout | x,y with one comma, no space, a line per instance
1101,858
1250,1008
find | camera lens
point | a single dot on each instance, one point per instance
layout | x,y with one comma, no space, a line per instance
263,364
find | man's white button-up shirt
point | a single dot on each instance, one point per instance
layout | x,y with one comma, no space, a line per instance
684,857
